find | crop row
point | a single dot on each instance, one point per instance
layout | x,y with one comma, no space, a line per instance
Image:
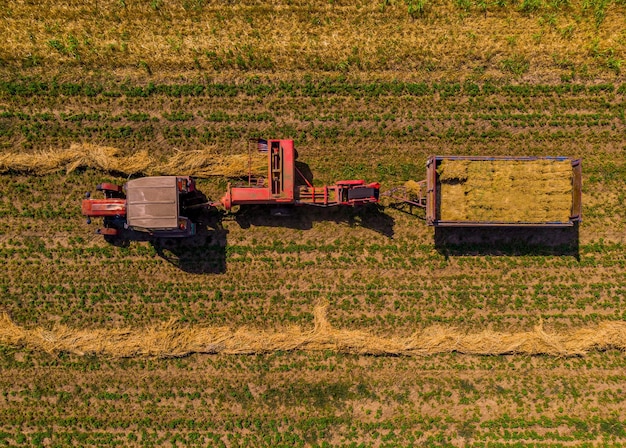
541,137
306,108
405,301
308,88
533,119
240,432
35,135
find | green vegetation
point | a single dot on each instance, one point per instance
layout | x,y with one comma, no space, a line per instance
268,275
323,400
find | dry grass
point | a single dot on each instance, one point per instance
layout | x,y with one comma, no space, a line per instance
206,163
199,163
413,189
174,340
507,191
105,158
182,38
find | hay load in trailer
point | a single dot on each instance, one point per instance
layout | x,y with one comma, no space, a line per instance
503,191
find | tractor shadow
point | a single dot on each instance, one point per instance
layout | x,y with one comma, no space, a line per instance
507,241
203,253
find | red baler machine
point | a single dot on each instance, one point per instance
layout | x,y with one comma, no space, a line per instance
285,185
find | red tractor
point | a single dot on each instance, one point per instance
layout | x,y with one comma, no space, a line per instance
155,205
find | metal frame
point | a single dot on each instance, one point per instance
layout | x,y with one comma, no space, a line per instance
432,203
401,194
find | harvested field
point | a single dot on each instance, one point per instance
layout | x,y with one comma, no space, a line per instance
128,343
532,191
391,287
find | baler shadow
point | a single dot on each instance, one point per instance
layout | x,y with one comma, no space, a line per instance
370,216
508,241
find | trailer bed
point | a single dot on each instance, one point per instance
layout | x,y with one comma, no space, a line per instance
503,191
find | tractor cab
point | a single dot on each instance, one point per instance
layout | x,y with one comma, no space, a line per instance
153,205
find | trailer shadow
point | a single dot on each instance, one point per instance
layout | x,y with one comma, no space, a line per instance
370,216
507,241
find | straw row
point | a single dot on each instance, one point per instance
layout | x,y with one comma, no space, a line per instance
175,340
198,163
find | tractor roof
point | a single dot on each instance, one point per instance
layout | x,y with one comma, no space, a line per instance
152,202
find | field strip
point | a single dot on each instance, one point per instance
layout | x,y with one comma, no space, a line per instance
175,340
197,163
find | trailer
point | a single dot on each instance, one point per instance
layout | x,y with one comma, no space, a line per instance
474,191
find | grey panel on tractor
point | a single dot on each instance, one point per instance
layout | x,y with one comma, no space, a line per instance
362,193
152,202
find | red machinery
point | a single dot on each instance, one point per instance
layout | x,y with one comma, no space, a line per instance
155,205
159,205
282,187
